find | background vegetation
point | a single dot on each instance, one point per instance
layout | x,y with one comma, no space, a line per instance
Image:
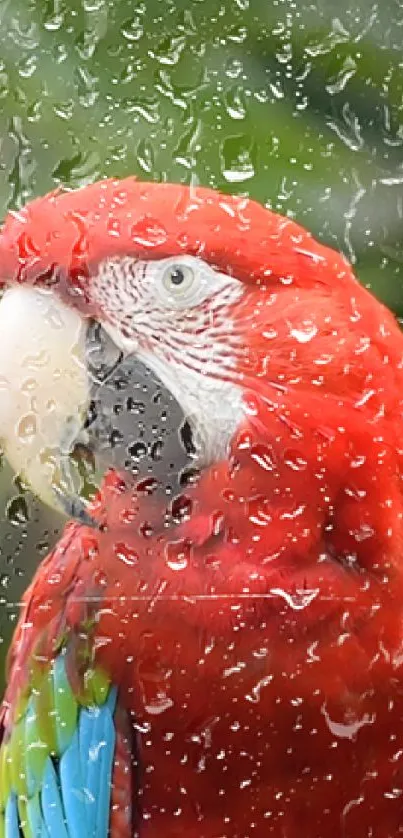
296,104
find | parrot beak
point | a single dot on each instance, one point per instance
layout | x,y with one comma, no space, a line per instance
44,388
58,397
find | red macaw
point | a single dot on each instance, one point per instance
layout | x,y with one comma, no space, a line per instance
226,663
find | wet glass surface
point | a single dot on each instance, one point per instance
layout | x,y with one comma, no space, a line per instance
298,108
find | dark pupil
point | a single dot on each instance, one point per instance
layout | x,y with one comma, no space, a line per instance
177,276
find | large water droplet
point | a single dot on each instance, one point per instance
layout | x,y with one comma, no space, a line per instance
125,553
297,599
17,511
177,555
304,332
238,158
27,427
349,727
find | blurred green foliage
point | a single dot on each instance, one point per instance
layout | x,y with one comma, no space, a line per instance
297,105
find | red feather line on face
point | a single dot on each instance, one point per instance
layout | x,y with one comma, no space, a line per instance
66,234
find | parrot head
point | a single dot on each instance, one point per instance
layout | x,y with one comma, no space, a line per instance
288,371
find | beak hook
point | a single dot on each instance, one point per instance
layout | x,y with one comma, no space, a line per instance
71,503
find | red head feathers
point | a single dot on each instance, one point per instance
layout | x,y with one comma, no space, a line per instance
74,231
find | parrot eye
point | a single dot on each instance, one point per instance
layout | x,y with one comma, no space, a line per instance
178,279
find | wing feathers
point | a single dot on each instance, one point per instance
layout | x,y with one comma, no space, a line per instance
64,792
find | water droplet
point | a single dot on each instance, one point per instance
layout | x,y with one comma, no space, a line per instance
146,529
358,461
159,704
78,170
181,508
17,511
177,554
348,728
297,599
294,460
259,511
156,450
264,456
27,427
169,50
133,29
237,34
148,232
54,17
270,333
364,533
339,82
305,332
235,103
29,385
145,155
238,155
234,68
254,695
134,406
125,553
348,129
137,450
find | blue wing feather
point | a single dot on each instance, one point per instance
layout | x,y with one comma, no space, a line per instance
12,829
35,817
72,785
51,803
44,832
97,743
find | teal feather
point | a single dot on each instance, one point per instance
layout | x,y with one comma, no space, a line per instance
105,771
35,818
52,804
91,732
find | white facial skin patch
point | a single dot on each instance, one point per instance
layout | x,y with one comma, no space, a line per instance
174,314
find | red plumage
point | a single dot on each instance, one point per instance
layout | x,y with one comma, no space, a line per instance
254,626
75,230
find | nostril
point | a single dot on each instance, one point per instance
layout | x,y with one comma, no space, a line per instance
91,416
186,437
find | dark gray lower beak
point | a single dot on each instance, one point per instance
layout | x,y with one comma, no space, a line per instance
133,425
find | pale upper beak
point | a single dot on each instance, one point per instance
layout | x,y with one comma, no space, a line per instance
55,368
44,386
